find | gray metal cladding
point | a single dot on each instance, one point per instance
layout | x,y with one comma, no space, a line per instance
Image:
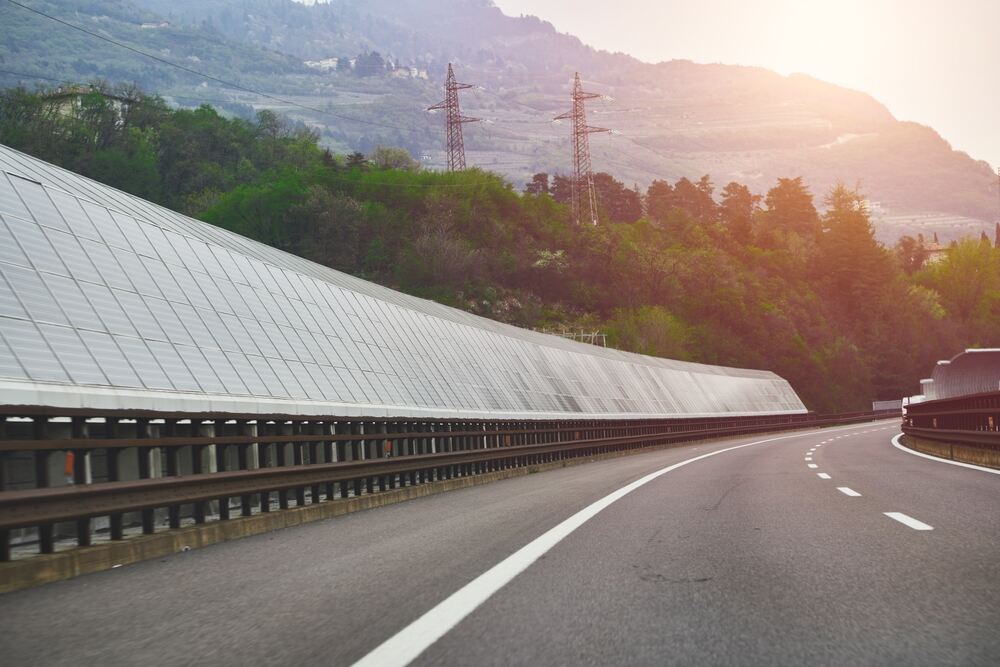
974,371
107,300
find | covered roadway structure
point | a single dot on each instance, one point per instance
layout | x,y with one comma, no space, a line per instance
140,344
110,302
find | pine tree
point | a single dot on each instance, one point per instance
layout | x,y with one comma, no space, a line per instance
790,207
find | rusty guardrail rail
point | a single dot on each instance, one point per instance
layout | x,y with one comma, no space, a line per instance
258,460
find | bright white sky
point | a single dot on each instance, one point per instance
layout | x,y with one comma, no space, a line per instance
936,62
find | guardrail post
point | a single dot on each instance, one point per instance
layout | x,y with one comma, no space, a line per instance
357,447
315,428
243,462
281,458
409,449
114,474
432,446
143,453
46,532
219,430
393,448
342,428
449,446
263,454
173,469
380,452
197,468
78,432
298,460
417,448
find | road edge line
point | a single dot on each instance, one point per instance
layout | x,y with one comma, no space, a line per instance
898,445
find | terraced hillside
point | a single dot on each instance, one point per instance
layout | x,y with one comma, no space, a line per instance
672,119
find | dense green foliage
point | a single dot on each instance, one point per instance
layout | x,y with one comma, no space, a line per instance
747,281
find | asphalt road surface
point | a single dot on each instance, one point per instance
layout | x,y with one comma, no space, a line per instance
780,552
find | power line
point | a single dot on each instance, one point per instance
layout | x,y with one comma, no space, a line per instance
210,77
33,76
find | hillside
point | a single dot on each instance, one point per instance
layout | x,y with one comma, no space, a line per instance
810,296
674,119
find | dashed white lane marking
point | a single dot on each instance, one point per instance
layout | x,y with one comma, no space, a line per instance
404,646
812,465
822,475
897,445
908,521
813,449
809,458
848,491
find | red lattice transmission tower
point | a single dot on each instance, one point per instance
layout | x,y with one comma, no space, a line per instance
454,120
584,194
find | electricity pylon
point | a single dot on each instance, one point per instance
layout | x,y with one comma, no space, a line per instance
454,121
584,194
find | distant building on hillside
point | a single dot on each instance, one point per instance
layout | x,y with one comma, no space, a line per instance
935,252
325,65
69,98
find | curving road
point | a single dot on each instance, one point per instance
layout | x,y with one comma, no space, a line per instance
752,555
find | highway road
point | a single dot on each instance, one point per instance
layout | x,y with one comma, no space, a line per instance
821,547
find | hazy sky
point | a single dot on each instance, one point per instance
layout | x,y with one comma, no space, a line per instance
936,62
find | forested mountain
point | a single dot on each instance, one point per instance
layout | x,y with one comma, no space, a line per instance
680,270
675,119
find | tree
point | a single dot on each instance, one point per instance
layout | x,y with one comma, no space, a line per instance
736,211
695,199
357,160
562,189
851,265
968,280
539,185
618,203
790,208
659,199
651,330
369,64
388,157
911,253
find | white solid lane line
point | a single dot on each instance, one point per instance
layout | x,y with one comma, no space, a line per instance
899,446
848,491
812,465
822,475
908,521
403,647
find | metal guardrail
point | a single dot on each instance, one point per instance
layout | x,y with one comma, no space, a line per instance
969,427
150,463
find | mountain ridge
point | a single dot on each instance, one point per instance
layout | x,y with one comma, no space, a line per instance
676,118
